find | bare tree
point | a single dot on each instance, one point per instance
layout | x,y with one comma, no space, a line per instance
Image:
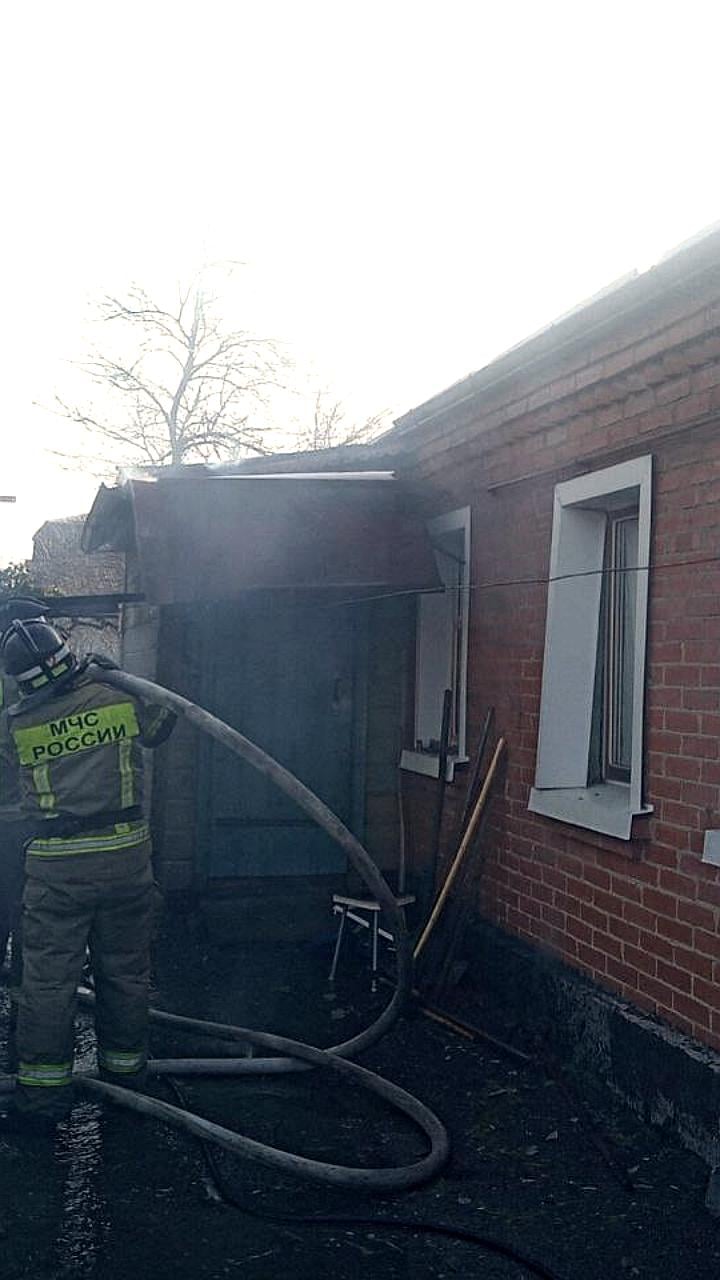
178,385
331,425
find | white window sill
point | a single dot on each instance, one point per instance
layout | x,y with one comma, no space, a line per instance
428,763
605,808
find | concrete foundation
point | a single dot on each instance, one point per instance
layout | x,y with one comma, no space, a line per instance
663,1076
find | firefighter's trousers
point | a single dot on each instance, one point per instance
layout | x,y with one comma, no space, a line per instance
101,900
13,836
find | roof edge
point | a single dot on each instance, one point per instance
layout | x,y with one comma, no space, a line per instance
629,293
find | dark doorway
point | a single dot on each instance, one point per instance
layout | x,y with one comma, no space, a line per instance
285,672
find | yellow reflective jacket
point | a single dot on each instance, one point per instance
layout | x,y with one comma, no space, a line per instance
79,757
10,807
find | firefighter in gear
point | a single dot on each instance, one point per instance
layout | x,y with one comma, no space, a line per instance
88,872
14,827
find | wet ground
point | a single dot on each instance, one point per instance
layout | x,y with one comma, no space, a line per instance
117,1197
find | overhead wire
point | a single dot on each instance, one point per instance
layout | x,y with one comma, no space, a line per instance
543,581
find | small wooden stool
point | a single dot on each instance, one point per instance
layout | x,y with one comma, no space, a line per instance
348,908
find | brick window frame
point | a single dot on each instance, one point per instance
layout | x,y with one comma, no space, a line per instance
581,510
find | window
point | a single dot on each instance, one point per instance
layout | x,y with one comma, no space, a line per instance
441,648
611,740
590,742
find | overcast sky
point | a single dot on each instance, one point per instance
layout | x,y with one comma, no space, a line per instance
414,187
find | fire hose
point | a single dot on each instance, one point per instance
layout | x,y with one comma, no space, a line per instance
293,1055
288,1055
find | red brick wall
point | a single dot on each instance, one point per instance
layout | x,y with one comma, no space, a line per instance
641,918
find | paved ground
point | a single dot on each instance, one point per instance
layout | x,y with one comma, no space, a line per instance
119,1198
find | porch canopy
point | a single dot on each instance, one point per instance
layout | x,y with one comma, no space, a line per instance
210,536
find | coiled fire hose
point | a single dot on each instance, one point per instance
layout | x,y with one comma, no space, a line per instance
292,1055
295,1055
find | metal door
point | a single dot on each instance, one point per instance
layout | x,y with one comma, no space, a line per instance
283,673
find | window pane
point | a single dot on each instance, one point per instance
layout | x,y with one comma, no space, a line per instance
621,643
597,757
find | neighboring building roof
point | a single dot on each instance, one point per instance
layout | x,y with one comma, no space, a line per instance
59,564
637,292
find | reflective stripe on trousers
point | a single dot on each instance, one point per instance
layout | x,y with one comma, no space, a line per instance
121,1062
44,1075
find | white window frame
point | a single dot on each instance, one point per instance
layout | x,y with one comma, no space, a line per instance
428,762
571,646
